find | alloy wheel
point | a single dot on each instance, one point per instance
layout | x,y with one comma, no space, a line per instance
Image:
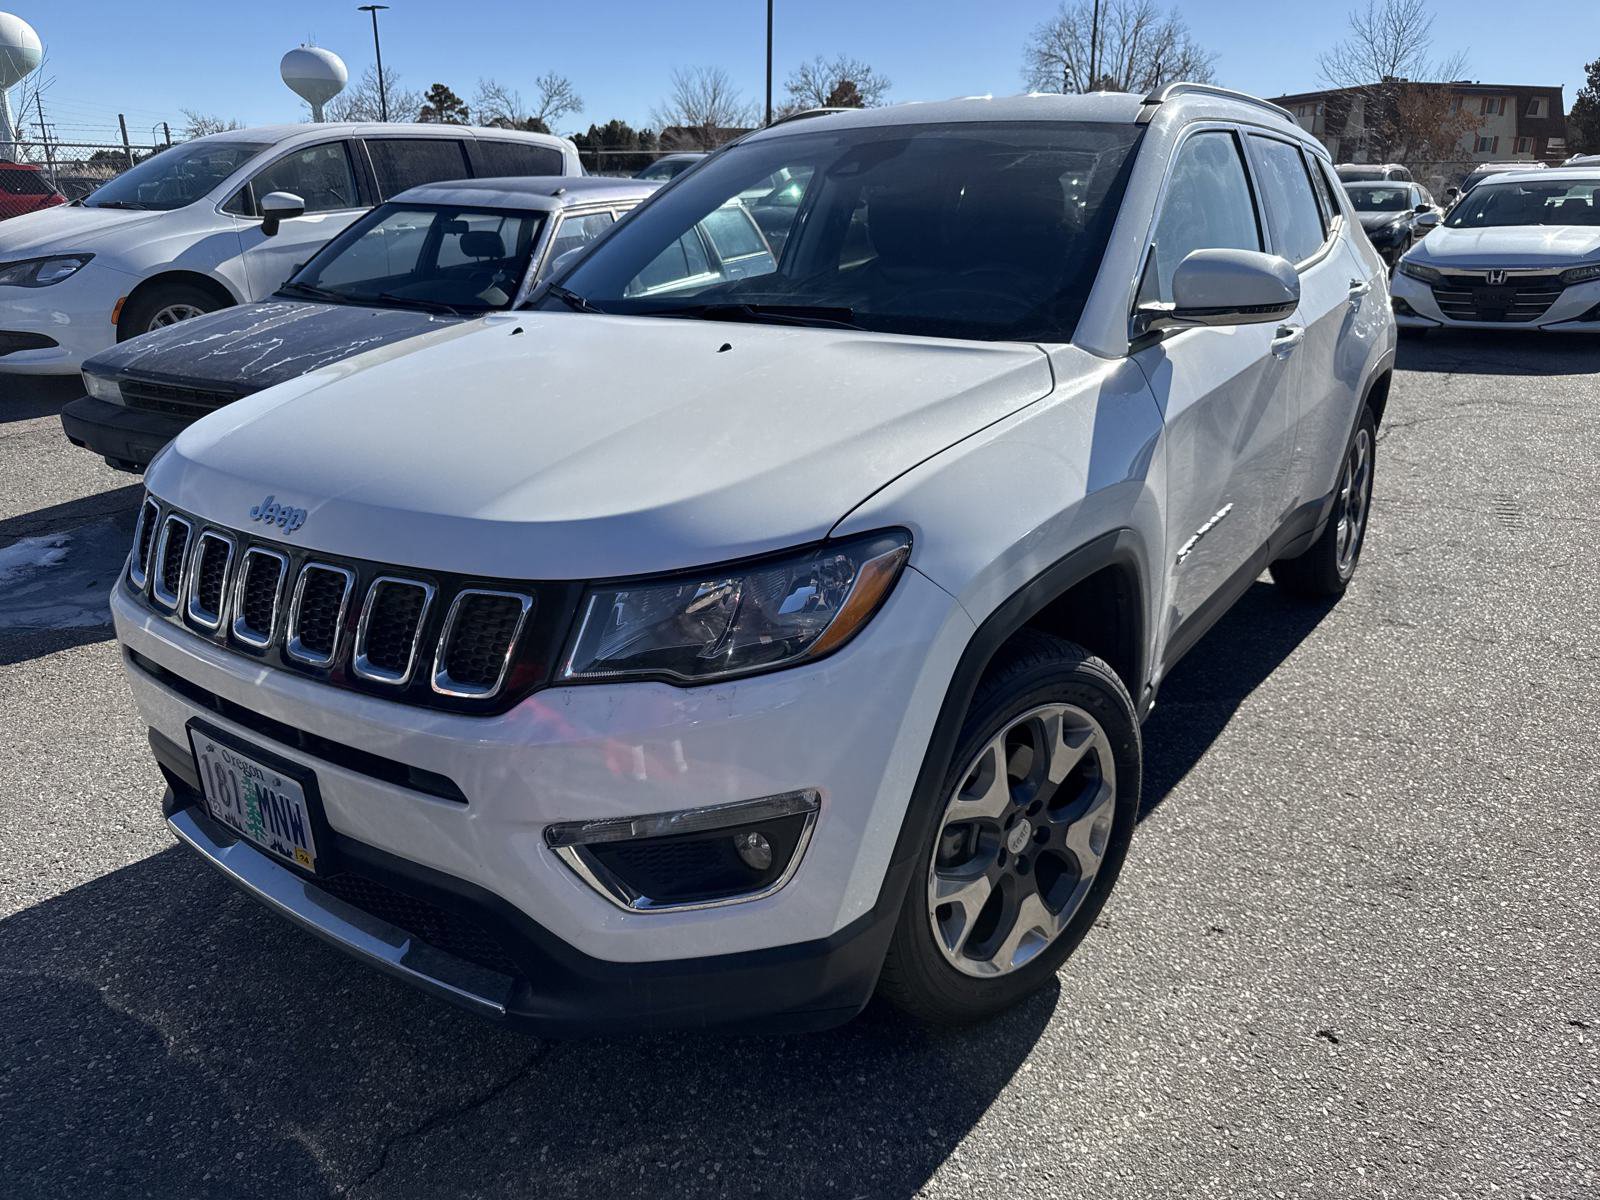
1021,840
173,313
1354,502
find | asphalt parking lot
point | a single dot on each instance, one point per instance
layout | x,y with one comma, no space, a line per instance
1353,952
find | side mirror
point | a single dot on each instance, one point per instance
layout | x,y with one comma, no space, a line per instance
1224,287
1427,220
278,207
1451,193
1422,208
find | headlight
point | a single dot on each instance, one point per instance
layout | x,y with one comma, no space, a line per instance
718,623
102,387
42,272
1417,271
1581,274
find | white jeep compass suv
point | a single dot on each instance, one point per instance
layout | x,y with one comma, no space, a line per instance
704,647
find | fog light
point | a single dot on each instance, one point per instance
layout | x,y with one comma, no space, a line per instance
754,849
696,858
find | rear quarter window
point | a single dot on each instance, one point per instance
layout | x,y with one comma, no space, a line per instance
518,158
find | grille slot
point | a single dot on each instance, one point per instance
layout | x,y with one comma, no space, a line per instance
479,637
257,595
144,535
454,933
173,399
208,578
170,552
321,595
390,629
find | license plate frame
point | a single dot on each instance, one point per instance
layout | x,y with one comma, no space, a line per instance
1497,298
320,836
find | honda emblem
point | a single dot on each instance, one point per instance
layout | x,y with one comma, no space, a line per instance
1495,278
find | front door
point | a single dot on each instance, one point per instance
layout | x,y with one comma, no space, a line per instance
322,176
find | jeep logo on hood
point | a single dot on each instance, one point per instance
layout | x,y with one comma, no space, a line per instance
286,518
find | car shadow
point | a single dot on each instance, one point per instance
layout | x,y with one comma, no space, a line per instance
1475,352
165,1036
25,397
1205,689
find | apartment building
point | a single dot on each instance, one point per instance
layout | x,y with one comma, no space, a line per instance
1503,122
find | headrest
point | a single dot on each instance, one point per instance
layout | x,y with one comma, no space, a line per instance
483,243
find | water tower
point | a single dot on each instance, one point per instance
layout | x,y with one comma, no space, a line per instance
20,56
315,75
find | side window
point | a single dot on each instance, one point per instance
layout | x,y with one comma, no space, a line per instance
733,233
1326,192
518,158
402,163
1292,214
319,175
1207,206
682,263
579,231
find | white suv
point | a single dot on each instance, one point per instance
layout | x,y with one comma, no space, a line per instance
220,220
720,653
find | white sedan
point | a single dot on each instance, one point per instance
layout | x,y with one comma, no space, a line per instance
1522,249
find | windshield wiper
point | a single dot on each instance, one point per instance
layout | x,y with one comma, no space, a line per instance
572,300
312,293
820,315
121,204
420,302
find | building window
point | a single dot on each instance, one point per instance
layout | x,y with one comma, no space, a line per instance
1487,145
1492,106
1455,105
1536,106
1525,145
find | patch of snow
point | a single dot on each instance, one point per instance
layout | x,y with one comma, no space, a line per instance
31,554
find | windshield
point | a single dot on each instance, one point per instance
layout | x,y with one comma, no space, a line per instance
666,168
1380,199
965,230
175,177
425,256
1566,202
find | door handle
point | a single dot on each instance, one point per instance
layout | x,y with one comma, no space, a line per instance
1286,339
1359,288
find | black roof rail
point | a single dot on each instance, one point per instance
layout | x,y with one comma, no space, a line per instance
806,112
1184,87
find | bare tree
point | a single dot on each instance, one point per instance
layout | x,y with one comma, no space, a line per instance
704,103
1388,40
499,106
824,83
199,124
502,107
360,102
1134,47
1387,64
557,98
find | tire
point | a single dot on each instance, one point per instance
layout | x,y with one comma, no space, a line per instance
161,305
1041,692
1326,568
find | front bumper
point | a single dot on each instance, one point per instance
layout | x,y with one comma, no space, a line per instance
127,438
855,727
74,314
1572,311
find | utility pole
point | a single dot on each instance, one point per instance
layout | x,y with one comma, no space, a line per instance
769,62
127,150
167,129
377,49
1094,49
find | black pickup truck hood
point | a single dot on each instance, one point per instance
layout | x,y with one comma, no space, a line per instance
254,346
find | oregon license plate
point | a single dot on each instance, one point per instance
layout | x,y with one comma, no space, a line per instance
255,800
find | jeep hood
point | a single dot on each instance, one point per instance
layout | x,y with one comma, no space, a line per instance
568,446
66,229
254,346
1553,246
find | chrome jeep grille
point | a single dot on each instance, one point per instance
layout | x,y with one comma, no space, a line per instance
421,638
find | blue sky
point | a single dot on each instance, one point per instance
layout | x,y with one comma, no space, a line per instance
221,56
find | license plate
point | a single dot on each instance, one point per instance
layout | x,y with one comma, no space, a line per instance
1496,297
255,800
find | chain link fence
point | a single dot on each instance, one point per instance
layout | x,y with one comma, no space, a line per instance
76,168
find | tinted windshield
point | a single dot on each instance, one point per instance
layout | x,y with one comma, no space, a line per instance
175,177
976,230
666,168
1376,199
421,255
1566,202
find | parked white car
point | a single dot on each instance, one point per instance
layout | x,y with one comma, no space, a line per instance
1520,249
220,220
721,653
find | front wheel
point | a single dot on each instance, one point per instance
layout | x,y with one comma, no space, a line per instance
1328,566
1034,826
164,305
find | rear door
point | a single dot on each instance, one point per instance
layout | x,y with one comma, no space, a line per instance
324,176
399,163
1226,393
1306,225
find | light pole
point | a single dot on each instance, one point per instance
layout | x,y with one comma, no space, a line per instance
377,48
769,62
